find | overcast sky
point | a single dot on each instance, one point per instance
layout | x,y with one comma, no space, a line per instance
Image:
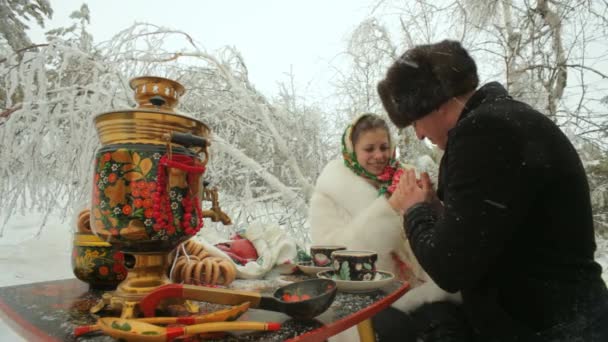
272,35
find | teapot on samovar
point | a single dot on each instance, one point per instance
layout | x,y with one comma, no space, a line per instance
147,185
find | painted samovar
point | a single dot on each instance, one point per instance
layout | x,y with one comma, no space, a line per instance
147,187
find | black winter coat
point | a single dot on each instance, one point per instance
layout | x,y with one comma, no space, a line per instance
516,236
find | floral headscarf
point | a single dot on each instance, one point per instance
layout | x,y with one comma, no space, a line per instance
392,172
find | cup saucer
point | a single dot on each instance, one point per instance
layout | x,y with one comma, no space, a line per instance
381,279
310,269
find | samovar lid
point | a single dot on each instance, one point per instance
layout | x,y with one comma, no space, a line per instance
155,94
152,119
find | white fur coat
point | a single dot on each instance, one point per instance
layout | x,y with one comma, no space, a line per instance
346,210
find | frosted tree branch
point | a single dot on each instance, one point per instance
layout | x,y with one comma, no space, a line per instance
288,194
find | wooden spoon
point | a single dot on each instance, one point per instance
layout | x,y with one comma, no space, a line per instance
132,330
230,314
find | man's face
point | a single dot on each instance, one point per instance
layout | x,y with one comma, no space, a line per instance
433,126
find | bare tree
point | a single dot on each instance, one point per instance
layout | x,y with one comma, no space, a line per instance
369,50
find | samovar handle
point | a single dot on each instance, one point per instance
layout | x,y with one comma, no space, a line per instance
188,140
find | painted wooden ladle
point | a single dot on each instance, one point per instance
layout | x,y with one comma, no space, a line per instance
304,299
132,330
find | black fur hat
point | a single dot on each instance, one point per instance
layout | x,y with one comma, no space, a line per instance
425,77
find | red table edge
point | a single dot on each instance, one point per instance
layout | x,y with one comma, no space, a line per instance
21,326
351,320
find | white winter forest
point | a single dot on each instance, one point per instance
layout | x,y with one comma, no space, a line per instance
273,131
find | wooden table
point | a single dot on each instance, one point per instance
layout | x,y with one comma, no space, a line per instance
49,311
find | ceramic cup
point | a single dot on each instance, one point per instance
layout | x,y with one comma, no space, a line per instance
321,254
354,265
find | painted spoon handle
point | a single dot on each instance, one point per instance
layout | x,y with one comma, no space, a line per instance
150,302
85,329
229,326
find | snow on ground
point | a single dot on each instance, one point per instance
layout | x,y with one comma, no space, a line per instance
26,257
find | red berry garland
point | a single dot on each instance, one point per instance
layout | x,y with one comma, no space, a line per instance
161,210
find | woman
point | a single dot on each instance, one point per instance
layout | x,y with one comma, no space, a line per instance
352,205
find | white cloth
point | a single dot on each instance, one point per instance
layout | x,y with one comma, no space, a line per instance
273,245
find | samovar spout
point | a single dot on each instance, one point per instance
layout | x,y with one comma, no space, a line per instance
215,213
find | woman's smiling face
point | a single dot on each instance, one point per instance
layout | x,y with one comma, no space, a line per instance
373,150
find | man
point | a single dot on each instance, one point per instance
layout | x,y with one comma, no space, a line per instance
515,233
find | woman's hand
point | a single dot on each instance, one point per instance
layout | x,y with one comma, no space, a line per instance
397,198
411,191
